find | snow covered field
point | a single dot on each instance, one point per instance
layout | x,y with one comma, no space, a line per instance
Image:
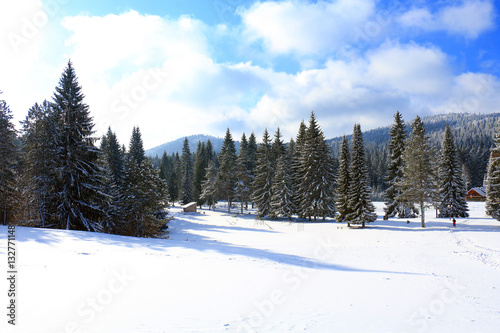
219,273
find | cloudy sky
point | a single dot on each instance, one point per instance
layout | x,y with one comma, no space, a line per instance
177,68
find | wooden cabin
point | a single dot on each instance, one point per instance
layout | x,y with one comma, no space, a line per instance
476,194
190,207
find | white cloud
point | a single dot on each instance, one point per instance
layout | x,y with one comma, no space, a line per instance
305,28
469,19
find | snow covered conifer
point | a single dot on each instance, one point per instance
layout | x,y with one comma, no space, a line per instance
296,169
343,181
395,205
493,179
187,174
79,200
263,181
282,192
452,189
419,172
361,207
227,170
244,178
200,171
317,172
8,158
209,186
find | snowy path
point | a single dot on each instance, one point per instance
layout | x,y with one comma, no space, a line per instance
221,273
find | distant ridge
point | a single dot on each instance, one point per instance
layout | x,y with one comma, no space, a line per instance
175,146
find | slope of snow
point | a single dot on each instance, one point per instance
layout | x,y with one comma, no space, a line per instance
225,273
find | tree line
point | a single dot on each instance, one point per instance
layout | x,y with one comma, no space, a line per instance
54,176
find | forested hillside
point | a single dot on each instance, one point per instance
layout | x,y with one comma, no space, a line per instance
473,134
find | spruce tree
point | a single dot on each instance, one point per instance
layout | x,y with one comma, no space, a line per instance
395,205
296,170
200,166
79,200
187,174
227,170
209,188
143,193
317,172
282,192
263,181
419,175
243,174
493,179
40,151
360,204
9,160
452,189
343,181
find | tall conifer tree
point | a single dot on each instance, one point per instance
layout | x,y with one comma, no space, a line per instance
263,181
187,174
452,189
227,170
361,207
493,179
343,181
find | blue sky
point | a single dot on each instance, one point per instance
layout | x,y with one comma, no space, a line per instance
177,68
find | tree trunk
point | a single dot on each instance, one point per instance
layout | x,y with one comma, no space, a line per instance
422,214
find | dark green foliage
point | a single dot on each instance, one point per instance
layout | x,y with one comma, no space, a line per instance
227,176
187,174
9,159
419,173
359,194
77,191
282,192
263,181
317,176
244,178
395,205
452,189
343,181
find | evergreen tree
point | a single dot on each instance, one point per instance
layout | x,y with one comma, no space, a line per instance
395,205
278,147
360,204
296,170
282,192
9,160
263,181
318,178
243,174
39,151
173,180
200,167
187,174
252,160
493,179
209,186
343,181
143,193
79,200
419,177
452,189
227,170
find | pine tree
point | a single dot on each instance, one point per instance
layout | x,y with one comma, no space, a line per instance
318,178
9,160
395,205
419,176
143,194
360,204
296,170
209,186
187,174
243,174
173,178
282,191
493,179
343,181
200,166
227,170
452,189
263,181
78,195
39,151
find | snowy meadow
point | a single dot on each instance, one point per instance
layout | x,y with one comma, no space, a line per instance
220,272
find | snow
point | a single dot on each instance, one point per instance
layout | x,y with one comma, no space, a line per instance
231,273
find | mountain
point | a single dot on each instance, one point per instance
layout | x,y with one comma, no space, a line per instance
176,145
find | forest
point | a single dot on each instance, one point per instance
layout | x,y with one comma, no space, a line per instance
56,174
